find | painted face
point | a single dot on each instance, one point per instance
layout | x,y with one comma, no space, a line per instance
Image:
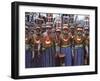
72,30
79,32
65,31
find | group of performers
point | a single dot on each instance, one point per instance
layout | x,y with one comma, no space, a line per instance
62,46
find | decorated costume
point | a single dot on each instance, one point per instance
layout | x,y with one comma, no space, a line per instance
79,47
48,52
66,46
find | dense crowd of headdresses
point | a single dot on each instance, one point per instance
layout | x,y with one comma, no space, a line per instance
61,32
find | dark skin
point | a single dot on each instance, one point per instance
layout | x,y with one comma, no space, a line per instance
78,40
66,35
57,38
49,31
59,57
87,45
72,31
47,38
38,30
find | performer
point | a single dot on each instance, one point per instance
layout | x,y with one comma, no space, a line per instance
86,32
72,31
57,47
48,54
79,46
37,48
28,50
66,45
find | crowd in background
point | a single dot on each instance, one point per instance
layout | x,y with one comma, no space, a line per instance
53,39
